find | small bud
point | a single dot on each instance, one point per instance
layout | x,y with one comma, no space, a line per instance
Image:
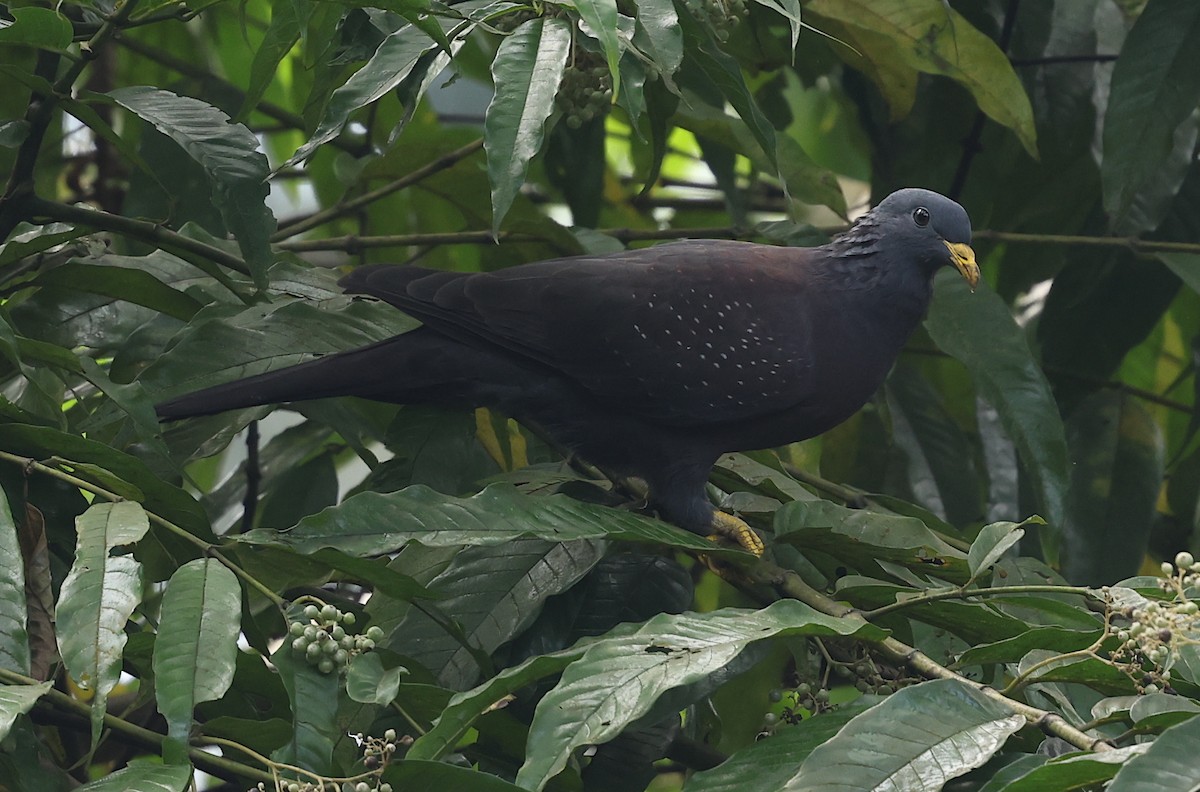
1167,569
1184,560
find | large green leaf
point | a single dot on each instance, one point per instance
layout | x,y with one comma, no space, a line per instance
1168,766
97,598
527,71
314,699
770,764
14,640
980,332
196,645
415,775
601,19
391,64
1155,87
863,537
933,38
16,700
1075,771
619,678
917,739
43,28
143,777
373,523
288,18
492,593
229,154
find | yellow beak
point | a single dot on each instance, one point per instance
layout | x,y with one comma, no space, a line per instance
964,262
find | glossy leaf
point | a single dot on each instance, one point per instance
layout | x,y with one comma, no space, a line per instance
97,597
373,523
1075,771
991,544
527,71
391,64
491,593
43,28
368,682
917,739
16,700
1155,86
229,154
617,680
197,642
601,19
14,640
143,777
1168,765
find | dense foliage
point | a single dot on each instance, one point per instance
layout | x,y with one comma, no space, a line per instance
982,580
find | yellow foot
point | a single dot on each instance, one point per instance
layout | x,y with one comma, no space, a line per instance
726,526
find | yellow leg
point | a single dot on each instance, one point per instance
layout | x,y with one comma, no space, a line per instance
726,526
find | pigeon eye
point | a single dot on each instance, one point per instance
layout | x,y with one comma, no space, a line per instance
921,216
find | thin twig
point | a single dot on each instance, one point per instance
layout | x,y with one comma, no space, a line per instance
346,207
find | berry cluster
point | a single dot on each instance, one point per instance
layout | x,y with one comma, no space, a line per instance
377,753
322,639
586,89
722,16
1157,630
306,786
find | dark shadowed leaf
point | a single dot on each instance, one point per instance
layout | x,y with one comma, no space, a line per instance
1168,766
979,331
1155,86
1117,451
14,640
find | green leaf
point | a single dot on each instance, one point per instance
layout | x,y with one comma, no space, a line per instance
789,10
416,775
16,700
122,283
143,778
933,38
196,645
527,71
601,19
1155,87
725,74
1010,650
861,537
917,739
391,64
14,639
465,707
229,154
288,18
619,678
37,27
658,24
1118,455
991,544
771,764
29,240
265,337
314,699
97,598
373,523
1168,766
1077,771
979,331
1185,265
491,594
368,682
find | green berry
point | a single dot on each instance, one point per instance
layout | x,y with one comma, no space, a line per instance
326,666
296,628
300,644
775,696
375,633
329,613
313,651
311,611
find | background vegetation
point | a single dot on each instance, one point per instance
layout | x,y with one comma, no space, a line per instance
416,599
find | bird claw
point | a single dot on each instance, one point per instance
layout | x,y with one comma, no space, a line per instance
734,529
